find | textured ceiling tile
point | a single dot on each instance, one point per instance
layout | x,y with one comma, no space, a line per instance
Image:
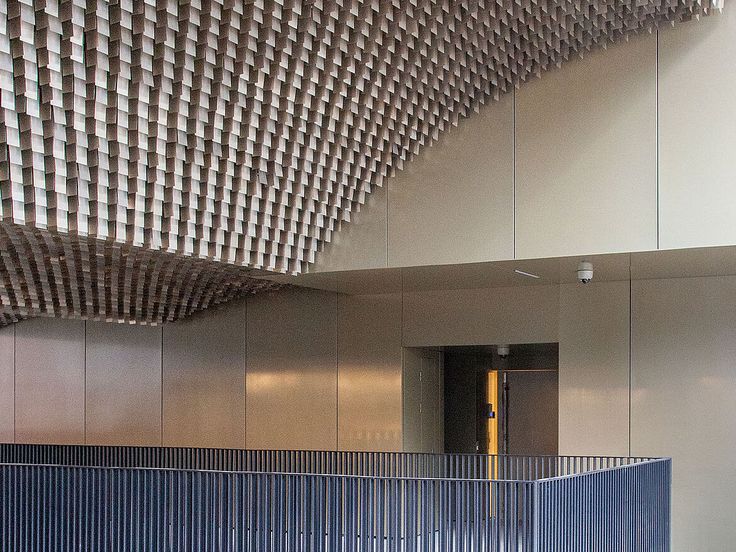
156,150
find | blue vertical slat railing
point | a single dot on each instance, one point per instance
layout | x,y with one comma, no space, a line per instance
59,508
624,508
97,499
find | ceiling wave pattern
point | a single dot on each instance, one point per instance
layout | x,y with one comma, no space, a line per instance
157,151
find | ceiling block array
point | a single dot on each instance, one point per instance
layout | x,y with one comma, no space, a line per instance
45,274
241,134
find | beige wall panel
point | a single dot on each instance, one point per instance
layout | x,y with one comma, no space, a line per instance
423,400
433,404
369,372
454,202
123,384
697,137
683,389
481,316
204,379
361,243
292,370
594,369
411,385
7,384
586,155
49,381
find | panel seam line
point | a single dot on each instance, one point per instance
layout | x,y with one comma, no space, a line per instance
85,382
161,390
337,371
15,398
657,137
631,318
513,171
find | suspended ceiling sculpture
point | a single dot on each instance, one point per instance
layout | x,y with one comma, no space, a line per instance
156,151
103,280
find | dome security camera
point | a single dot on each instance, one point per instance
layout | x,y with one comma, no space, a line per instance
503,351
585,272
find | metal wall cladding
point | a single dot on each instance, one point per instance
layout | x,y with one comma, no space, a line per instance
291,381
369,377
572,194
240,134
123,384
50,381
682,354
203,394
594,367
7,384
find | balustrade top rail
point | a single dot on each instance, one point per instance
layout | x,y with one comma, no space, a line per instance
371,464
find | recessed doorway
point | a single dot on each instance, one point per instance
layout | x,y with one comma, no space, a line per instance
501,404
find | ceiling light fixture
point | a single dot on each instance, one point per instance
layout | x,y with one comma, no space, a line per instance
527,274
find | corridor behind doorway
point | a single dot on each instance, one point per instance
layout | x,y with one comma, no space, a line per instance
517,415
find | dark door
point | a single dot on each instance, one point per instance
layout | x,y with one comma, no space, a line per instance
532,412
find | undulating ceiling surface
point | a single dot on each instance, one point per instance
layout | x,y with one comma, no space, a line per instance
157,151
76,277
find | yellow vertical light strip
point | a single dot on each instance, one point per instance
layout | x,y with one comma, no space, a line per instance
492,448
493,421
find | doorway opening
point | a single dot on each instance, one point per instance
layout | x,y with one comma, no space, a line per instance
501,404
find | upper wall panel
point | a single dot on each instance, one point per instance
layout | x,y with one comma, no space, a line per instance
697,133
362,244
454,203
490,316
586,173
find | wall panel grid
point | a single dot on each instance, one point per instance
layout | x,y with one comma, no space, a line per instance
188,383
242,133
